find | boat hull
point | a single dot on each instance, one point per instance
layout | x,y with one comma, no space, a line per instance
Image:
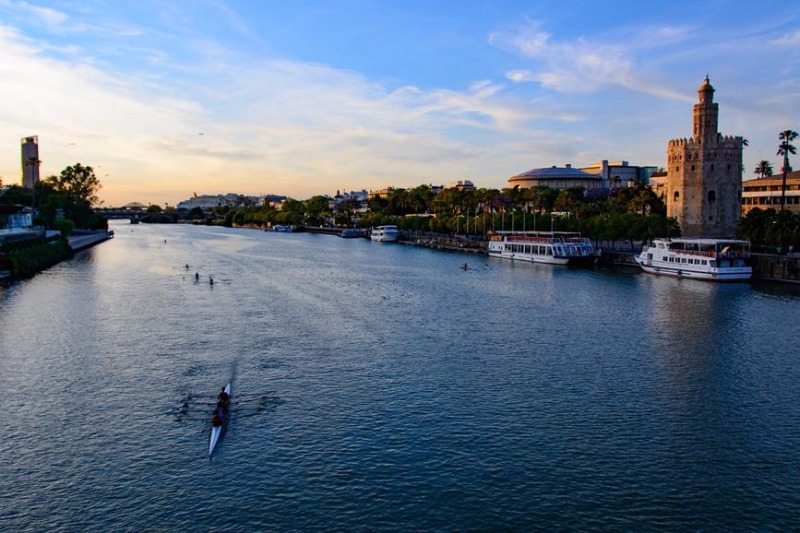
739,274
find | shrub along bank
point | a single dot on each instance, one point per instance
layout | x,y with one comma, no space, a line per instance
26,258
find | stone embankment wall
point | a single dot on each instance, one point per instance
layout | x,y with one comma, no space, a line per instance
81,242
783,268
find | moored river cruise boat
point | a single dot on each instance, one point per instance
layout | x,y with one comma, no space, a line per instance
551,247
708,259
388,233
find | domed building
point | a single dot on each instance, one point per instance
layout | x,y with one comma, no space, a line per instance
555,178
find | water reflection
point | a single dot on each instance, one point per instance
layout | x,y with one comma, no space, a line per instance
566,396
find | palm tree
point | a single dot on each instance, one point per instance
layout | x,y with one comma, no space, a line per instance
785,148
763,169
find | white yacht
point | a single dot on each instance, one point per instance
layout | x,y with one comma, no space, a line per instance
388,233
551,247
279,228
709,259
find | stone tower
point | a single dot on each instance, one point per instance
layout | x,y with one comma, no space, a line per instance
704,174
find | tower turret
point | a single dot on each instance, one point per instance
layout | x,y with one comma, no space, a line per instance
706,113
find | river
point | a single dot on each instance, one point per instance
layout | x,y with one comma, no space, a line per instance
380,387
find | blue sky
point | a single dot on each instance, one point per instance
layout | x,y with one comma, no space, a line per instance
166,99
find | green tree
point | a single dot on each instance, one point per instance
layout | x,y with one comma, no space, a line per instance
785,148
79,186
17,194
784,230
763,169
316,208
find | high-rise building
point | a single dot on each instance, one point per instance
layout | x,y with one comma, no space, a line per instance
704,174
30,161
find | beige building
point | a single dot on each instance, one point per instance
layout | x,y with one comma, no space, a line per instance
765,193
704,174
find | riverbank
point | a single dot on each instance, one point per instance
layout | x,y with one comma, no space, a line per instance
32,256
82,241
766,267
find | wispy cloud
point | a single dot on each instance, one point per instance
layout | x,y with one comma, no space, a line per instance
789,39
576,66
45,15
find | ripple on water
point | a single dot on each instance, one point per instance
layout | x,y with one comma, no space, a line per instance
401,392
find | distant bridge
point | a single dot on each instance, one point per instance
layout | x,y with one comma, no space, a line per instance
136,216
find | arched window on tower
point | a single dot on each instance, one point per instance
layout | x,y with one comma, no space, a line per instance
676,196
712,196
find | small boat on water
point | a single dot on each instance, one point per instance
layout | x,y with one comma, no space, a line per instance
550,247
350,233
279,228
387,233
219,421
707,259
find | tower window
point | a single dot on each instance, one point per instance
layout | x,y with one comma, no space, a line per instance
712,196
692,167
676,196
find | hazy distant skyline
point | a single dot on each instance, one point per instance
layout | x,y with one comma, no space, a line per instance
304,98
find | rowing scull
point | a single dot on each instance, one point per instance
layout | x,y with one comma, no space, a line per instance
217,430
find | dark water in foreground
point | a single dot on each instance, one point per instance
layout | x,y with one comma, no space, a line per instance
400,393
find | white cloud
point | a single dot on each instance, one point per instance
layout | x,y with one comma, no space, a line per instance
790,39
576,66
45,15
271,125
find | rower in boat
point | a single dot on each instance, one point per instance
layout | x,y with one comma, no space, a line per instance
223,396
218,419
196,276
210,280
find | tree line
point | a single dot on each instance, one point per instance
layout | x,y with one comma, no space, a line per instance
61,202
778,229
628,213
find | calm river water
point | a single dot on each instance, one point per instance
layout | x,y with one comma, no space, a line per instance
390,391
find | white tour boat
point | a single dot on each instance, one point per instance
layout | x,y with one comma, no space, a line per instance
388,233
551,247
709,259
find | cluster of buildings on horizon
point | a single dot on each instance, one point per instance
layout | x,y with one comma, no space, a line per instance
702,185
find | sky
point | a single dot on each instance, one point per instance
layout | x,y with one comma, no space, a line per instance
165,99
